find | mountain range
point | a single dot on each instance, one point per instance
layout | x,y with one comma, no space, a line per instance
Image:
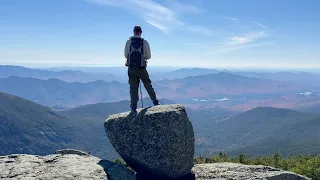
61,95
304,78
65,75
224,83
183,73
108,74
27,127
226,109
54,92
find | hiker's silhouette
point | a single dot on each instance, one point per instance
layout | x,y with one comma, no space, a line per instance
137,52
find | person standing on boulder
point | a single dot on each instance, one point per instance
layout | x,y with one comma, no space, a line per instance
137,52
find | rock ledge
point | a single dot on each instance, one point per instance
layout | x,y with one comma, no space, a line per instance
226,171
75,167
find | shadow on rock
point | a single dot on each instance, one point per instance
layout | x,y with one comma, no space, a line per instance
133,115
140,176
116,171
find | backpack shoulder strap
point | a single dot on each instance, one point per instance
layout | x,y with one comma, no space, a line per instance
142,47
136,43
130,45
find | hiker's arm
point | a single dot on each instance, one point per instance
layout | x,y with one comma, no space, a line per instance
126,49
147,53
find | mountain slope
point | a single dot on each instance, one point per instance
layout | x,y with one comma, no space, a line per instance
27,127
65,75
30,128
266,130
54,92
224,83
311,108
183,73
294,77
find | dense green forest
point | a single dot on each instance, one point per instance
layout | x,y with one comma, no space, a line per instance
307,165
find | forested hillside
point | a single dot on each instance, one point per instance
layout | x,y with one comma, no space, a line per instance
29,128
264,130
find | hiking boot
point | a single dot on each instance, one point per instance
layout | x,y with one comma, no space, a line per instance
134,109
156,103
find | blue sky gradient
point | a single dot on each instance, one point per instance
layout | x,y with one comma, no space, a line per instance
199,33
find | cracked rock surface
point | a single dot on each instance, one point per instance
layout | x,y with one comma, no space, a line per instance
60,167
232,171
69,166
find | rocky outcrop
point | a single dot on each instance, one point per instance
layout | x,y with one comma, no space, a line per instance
61,167
78,167
226,171
158,141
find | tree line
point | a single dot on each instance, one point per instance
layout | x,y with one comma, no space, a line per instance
306,165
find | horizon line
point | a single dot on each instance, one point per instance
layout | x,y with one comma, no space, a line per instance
173,67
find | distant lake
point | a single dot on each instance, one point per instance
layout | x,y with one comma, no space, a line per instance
207,100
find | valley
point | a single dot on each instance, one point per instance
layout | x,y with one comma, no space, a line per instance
230,113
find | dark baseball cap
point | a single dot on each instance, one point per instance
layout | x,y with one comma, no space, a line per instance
137,29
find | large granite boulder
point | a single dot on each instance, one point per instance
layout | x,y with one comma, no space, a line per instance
158,141
226,171
61,166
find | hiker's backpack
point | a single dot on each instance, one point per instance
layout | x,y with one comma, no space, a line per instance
136,58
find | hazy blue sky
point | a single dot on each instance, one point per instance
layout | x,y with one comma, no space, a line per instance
203,33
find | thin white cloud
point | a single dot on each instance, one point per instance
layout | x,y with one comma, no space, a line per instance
153,13
255,22
239,40
159,16
232,18
261,25
154,7
157,25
